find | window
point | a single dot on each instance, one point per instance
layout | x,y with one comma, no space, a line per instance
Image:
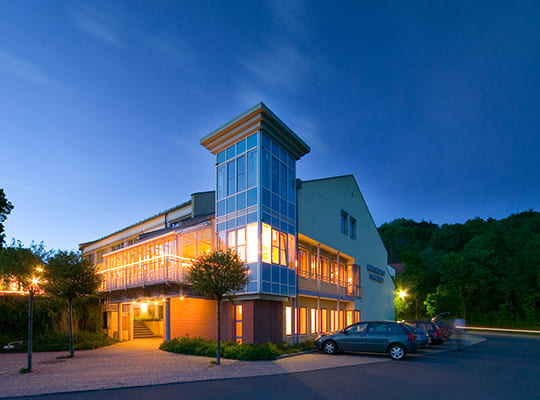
315,274
275,175
241,173
288,321
221,182
241,243
266,243
252,243
344,222
349,318
352,228
238,323
266,169
303,321
356,316
333,320
292,251
283,248
314,320
252,168
283,182
324,320
325,269
230,178
302,263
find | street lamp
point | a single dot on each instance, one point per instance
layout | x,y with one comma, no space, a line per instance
402,294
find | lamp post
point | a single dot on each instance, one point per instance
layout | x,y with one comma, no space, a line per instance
33,288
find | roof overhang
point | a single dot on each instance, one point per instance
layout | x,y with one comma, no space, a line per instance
259,117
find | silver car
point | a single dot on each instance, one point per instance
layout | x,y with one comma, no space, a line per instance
389,337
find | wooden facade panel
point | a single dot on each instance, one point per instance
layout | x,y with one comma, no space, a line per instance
197,317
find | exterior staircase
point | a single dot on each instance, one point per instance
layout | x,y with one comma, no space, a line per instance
141,331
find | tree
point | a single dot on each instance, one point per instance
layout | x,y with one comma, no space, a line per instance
25,267
70,276
217,275
5,209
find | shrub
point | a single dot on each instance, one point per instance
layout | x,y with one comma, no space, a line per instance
245,352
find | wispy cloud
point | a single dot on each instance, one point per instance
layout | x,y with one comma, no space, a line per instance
23,69
100,24
41,193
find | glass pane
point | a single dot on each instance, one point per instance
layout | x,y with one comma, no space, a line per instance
252,243
266,242
266,169
241,173
230,178
221,182
252,168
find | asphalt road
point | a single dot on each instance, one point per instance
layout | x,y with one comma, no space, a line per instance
503,367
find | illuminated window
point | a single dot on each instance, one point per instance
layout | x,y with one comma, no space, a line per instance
275,246
303,321
356,316
283,248
341,319
292,251
238,323
314,320
266,237
231,240
241,243
333,272
333,320
302,263
315,273
349,317
288,321
252,243
324,320
325,269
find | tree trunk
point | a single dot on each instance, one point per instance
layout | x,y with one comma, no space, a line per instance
30,321
70,329
218,331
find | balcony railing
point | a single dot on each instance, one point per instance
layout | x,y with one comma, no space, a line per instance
161,269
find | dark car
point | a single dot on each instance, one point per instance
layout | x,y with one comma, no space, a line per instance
389,337
444,331
433,330
422,337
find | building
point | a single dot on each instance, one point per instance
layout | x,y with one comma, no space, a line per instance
316,262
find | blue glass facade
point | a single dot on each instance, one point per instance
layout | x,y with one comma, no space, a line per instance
256,211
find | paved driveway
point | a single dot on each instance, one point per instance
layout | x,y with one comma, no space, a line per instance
140,362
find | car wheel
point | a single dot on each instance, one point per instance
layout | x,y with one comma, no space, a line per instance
330,347
397,351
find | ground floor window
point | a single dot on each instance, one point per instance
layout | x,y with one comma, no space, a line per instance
303,321
238,323
324,320
288,321
314,320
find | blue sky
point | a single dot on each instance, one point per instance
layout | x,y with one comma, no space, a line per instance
433,106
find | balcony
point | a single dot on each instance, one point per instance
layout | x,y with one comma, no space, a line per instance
149,272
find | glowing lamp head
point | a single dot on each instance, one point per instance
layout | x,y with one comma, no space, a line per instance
402,294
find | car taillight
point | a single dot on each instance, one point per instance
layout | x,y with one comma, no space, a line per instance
411,336
437,334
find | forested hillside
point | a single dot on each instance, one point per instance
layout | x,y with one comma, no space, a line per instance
487,271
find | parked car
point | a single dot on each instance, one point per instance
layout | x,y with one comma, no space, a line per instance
431,329
441,325
422,337
389,337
